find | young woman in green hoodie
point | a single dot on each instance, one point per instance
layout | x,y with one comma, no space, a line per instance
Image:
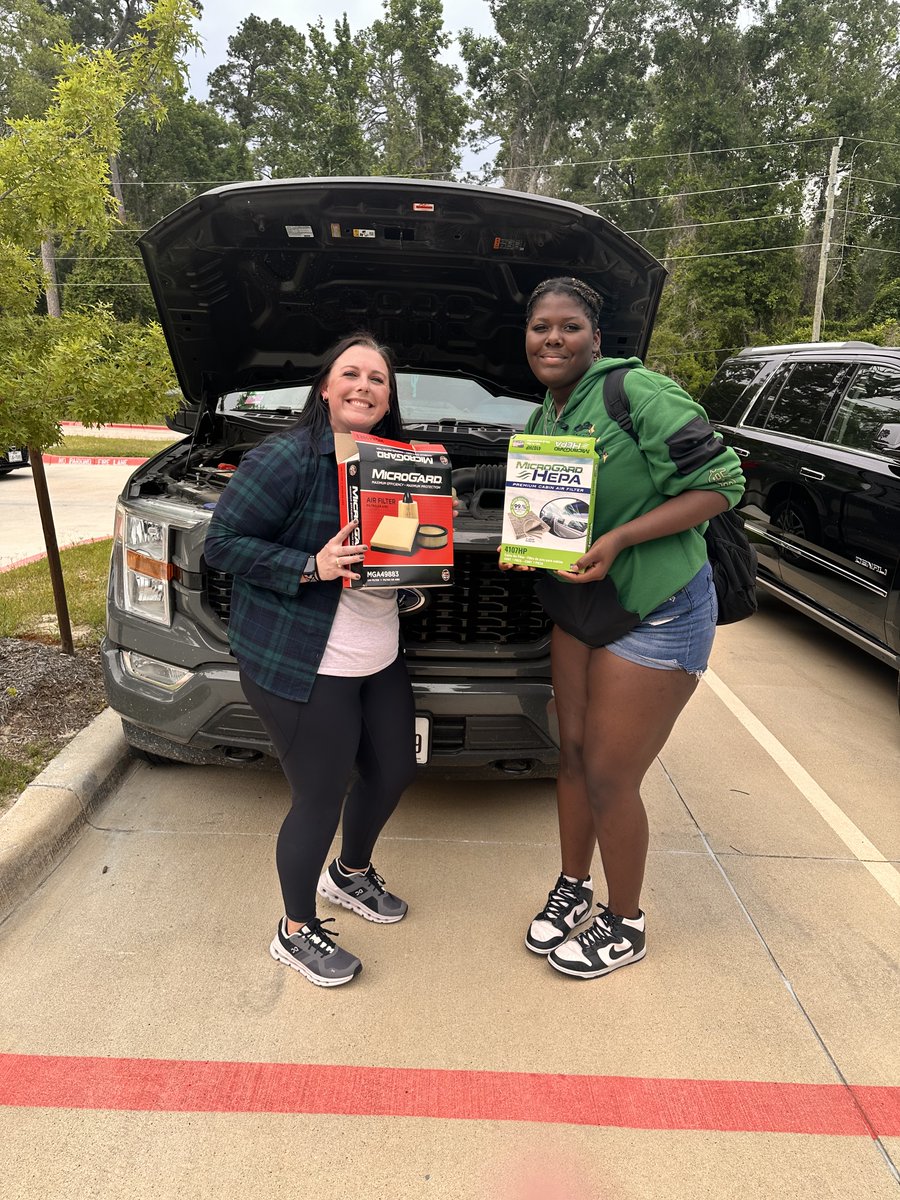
620,688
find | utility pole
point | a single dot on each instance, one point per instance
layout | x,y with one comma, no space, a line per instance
826,240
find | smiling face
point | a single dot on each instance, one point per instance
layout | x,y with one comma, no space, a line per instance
357,390
560,343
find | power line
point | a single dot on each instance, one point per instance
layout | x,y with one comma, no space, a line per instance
591,162
734,253
730,221
740,187
886,182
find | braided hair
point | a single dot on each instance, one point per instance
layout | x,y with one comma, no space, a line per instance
567,285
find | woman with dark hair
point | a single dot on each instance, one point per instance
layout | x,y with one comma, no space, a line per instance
319,663
634,647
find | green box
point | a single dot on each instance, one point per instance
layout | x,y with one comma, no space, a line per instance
548,507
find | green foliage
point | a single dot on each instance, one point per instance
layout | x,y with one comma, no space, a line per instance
886,305
194,144
54,173
28,65
112,276
84,366
555,79
418,116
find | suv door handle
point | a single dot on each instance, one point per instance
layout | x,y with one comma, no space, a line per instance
812,474
742,452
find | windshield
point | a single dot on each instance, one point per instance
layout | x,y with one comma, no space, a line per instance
424,399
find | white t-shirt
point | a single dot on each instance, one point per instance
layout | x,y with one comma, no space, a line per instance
365,635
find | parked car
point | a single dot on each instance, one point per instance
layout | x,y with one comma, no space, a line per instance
253,283
12,458
817,427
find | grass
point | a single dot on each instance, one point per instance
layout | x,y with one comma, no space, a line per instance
27,611
17,772
26,595
110,447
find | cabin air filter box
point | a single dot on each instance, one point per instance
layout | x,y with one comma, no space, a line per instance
401,496
548,505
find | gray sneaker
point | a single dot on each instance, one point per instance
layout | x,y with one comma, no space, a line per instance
313,953
362,893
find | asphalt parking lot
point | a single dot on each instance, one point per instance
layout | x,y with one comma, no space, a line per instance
151,1041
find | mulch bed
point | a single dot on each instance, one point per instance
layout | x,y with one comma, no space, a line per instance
46,697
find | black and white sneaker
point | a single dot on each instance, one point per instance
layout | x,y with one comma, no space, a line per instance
609,942
312,952
362,892
567,905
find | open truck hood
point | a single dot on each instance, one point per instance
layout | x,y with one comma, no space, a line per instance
254,282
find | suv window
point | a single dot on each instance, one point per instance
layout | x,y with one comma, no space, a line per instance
728,387
869,416
803,402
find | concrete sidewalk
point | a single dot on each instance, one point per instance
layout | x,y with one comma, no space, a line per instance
51,814
151,1040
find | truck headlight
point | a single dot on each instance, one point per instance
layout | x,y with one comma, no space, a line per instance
146,569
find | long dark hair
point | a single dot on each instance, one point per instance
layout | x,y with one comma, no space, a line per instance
576,289
314,416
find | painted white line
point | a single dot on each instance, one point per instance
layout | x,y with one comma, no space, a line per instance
853,838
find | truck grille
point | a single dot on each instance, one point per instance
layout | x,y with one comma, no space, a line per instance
485,606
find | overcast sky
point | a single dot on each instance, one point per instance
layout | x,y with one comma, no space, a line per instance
222,17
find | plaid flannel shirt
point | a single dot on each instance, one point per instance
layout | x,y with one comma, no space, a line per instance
280,506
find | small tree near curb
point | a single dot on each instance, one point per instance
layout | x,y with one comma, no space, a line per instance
54,182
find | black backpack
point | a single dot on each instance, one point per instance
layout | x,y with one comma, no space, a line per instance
732,558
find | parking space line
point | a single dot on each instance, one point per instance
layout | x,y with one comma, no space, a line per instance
884,872
172,1085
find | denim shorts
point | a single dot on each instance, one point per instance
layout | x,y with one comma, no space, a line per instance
678,635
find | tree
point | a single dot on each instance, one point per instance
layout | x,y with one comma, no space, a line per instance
554,77
54,176
28,65
418,115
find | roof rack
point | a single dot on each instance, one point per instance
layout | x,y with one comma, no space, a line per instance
799,347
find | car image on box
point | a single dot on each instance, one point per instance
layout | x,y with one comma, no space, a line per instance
253,283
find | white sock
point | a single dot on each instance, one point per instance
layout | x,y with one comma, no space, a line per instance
586,882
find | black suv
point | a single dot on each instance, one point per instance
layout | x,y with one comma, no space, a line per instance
12,458
817,427
254,282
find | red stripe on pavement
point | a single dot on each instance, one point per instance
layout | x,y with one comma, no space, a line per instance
162,1085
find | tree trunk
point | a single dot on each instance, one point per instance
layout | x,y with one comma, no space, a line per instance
56,576
51,285
48,258
115,180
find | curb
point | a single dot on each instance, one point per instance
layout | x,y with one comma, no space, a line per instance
33,558
50,815
92,460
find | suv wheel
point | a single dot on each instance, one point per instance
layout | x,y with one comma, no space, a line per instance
796,519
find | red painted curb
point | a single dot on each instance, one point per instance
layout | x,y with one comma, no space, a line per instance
93,461
23,562
165,1085
112,426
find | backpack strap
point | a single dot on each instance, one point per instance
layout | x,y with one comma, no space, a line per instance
615,400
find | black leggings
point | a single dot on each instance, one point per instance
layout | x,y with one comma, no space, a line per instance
367,721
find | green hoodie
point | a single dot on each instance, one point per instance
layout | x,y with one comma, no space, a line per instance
678,452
